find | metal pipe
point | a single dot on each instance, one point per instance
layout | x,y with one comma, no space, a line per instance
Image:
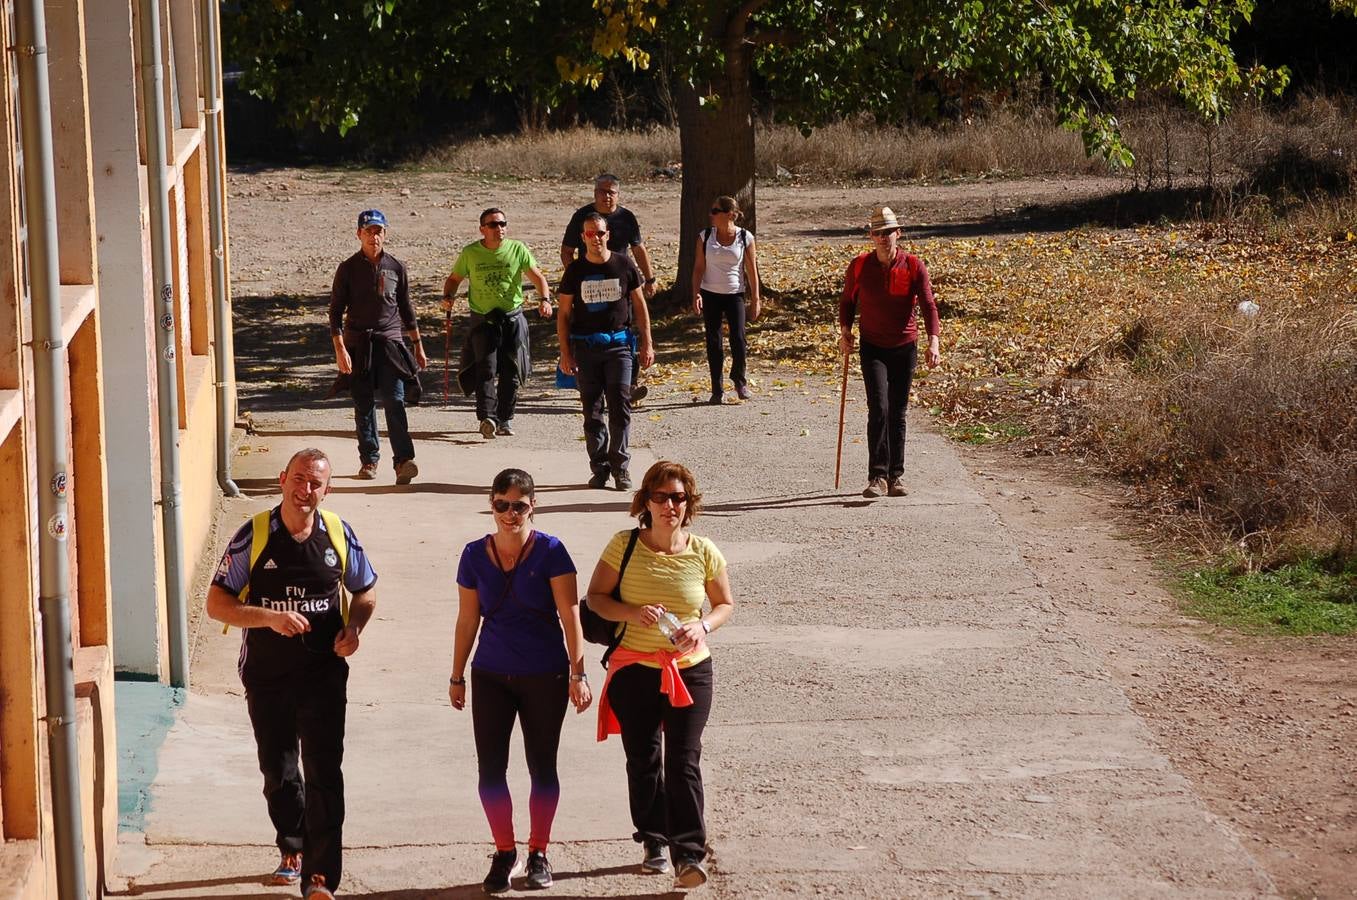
167,376
50,421
216,207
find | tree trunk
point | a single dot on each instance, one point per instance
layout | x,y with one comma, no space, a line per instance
717,145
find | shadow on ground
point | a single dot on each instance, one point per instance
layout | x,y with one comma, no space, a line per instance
1122,209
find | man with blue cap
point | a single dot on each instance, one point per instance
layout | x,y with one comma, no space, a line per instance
370,315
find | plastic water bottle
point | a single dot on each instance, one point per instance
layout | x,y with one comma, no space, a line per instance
669,626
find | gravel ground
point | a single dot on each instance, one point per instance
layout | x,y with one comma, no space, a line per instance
977,690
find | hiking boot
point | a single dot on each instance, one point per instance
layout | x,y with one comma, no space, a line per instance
503,867
289,869
317,889
406,471
622,480
655,862
896,488
539,871
691,874
875,488
716,399
506,428
742,392
599,479
639,392
367,471
488,429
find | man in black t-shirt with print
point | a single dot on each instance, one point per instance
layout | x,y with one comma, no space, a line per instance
293,663
624,238
600,300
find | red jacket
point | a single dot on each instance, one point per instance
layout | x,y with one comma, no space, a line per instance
889,298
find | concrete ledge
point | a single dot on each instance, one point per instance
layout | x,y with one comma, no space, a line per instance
22,876
77,303
98,761
11,410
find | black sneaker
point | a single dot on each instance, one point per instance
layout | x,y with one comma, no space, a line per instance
539,870
623,480
655,862
691,874
503,867
639,392
599,479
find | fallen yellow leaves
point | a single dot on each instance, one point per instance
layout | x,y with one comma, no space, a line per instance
1018,313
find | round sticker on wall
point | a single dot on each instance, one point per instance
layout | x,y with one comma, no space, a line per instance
56,526
59,484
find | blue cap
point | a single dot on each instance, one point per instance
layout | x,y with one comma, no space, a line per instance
371,217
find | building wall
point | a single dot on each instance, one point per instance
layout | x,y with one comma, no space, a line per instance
109,316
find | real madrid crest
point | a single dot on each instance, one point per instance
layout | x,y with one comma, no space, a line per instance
331,558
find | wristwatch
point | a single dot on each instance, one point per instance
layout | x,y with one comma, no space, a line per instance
583,676
706,626
650,280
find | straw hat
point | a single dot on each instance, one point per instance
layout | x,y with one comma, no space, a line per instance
883,219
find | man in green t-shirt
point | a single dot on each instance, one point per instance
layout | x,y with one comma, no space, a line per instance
497,340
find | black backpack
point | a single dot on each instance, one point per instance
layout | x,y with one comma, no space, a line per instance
598,630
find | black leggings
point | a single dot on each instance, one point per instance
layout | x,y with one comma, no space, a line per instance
714,306
539,703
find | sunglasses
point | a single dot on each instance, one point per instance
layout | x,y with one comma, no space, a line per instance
590,234
500,223
718,211
518,506
662,498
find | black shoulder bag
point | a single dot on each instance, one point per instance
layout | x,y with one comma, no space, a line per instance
598,630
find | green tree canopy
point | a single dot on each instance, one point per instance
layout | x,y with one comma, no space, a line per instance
337,62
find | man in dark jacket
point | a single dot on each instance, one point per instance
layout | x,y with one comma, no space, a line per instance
369,310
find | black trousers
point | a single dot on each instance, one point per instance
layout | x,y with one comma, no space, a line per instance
538,702
496,373
605,371
714,307
307,806
664,783
887,373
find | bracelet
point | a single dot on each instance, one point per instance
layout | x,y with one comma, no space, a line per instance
457,682
583,676
650,281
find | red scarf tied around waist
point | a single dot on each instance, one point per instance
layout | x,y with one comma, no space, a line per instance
671,684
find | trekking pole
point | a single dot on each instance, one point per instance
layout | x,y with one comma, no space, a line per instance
843,402
447,354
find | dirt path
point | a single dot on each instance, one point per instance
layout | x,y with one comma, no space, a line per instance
1004,704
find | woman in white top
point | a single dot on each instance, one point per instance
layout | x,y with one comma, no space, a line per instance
725,275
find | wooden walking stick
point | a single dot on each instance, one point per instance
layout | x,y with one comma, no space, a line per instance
447,354
843,402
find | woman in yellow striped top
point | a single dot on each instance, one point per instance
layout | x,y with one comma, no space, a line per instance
660,687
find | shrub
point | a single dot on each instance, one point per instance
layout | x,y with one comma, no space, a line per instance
1251,422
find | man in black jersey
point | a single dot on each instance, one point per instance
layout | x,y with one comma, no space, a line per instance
283,587
601,303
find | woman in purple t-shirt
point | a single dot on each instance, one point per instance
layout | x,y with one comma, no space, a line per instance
516,587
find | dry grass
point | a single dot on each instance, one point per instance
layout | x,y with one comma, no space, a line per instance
1125,347
1172,149
1248,423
